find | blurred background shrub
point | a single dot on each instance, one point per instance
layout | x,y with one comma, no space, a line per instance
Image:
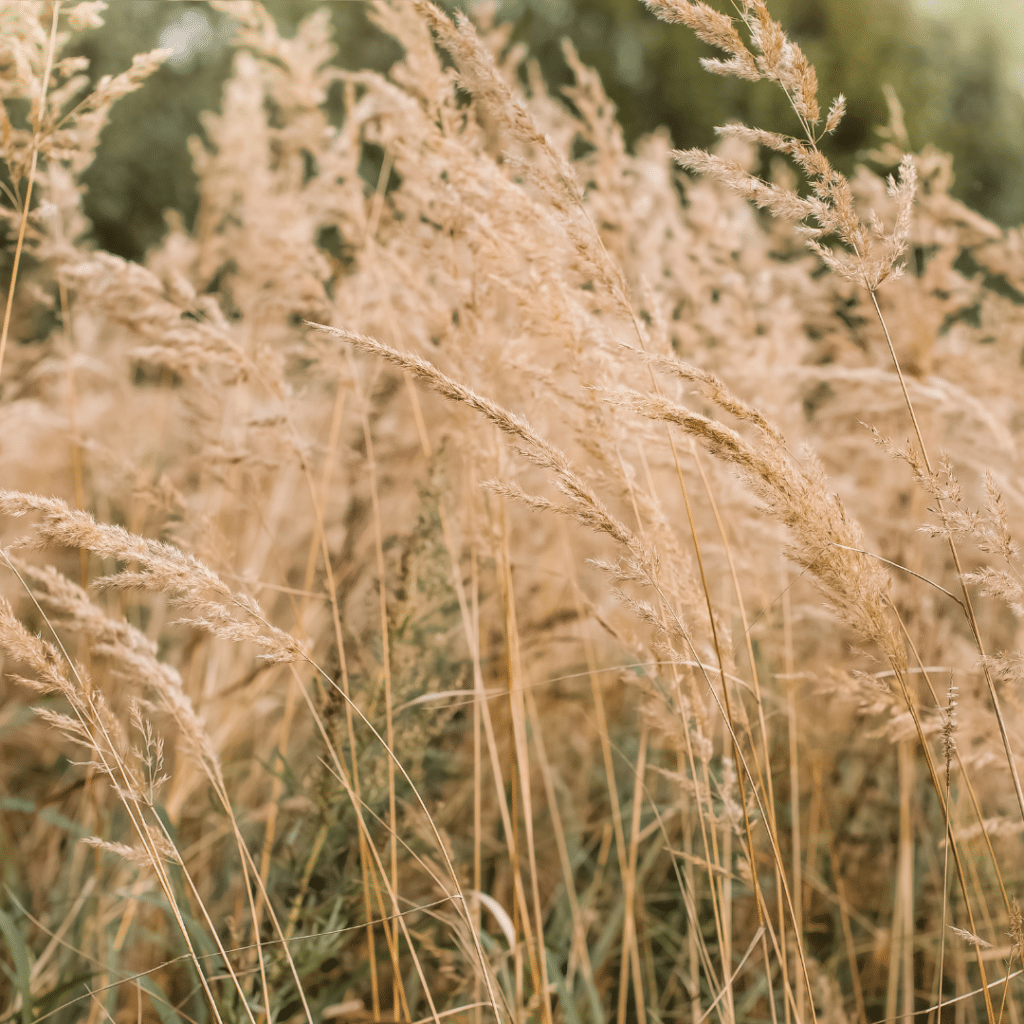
958,77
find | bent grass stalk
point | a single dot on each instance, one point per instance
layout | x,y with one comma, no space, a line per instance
968,603
776,58
166,568
584,506
39,112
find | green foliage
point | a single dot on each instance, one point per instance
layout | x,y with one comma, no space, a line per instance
144,167
952,82
21,975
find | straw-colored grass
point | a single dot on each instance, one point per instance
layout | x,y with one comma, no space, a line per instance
530,580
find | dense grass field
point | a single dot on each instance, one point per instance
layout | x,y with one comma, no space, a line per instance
480,571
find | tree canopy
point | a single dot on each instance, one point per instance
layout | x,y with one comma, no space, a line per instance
953,79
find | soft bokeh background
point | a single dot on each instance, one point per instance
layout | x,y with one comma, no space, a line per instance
184,399
957,68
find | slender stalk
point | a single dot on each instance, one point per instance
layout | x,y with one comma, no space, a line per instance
26,204
972,618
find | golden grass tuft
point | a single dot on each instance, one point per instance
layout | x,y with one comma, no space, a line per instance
313,710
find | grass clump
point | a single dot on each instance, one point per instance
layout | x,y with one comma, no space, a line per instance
474,592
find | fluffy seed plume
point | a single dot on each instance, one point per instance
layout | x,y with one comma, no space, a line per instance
869,254
164,568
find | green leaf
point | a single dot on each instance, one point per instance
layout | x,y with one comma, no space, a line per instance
565,997
22,964
17,803
166,1012
55,818
55,999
